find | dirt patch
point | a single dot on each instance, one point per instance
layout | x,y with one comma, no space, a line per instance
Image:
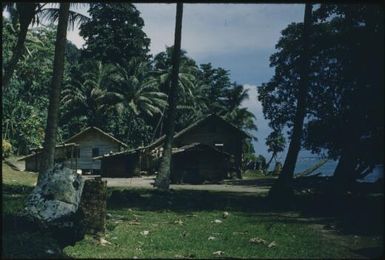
146,183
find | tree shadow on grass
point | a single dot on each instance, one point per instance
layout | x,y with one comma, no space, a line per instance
351,215
361,215
22,238
371,252
184,200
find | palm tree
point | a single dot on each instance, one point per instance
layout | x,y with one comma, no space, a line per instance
27,15
275,143
82,97
134,92
162,181
47,161
191,102
232,110
30,13
284,182
162,73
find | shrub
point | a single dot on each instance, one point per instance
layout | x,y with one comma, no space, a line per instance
277,168
6,148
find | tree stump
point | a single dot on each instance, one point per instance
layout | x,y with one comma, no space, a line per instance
93,206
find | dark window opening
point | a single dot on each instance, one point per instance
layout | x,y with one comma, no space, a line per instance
95,152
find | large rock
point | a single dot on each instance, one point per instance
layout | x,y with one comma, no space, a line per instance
56,198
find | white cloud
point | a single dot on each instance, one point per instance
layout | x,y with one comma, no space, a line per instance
252,102
255,107
75,38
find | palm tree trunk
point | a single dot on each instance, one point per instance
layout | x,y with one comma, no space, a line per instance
286,176
48,154
19,47
162,181
268,164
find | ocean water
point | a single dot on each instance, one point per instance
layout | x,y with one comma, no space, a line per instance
328,168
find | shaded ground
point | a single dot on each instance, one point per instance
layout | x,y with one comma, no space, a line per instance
260,185
181,221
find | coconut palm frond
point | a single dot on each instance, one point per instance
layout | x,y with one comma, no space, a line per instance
52,15
111,98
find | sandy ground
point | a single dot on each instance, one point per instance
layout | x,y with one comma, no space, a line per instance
146,182
245,186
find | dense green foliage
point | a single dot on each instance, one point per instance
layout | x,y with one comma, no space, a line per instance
23,15
344,112
25,102
114,33
122,93
275,142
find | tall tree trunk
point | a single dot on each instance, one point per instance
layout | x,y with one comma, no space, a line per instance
286,176
345,172
295,144
162,181
28,12
48,153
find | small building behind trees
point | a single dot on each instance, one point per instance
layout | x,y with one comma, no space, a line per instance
196,163
77,152
64,153
210,149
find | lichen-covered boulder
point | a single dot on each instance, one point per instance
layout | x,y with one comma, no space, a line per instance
56,198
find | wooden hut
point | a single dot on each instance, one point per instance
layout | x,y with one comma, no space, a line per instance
196,163
123,164
211,130
89,143
94,142
210,143
64,153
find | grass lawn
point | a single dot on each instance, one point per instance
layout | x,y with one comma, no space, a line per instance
183,224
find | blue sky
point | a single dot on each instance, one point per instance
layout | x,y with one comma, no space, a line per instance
237,37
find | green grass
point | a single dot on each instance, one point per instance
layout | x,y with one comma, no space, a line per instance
16,186
16,178
133,212
168,239
179,225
